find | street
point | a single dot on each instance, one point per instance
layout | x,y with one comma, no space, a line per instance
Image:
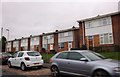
31,72
16,72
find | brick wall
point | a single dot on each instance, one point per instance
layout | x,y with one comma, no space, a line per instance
55,45
116,29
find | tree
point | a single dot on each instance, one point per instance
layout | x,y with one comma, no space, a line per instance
3,43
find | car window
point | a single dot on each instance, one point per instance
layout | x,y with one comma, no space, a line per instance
62,55
33,53
15,55
20,54
75,56
92,56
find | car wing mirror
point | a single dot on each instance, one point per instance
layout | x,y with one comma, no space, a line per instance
84,59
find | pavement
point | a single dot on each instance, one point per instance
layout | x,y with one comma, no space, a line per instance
46,65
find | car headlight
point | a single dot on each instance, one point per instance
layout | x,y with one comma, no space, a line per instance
116,69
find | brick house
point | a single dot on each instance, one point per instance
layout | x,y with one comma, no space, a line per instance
15,45
96,32
9,46
48,41
35,44
68,39
100,31
25,44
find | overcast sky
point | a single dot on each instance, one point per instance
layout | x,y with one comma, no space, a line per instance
33,18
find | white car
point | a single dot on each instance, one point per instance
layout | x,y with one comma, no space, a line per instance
24,59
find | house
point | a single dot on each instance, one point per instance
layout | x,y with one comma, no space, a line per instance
49,41
35,43
15,46
25,44
9,46
68,39
100,31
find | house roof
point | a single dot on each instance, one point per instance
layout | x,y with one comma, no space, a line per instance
99,16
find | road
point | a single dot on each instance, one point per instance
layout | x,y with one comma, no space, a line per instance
31,72
16,72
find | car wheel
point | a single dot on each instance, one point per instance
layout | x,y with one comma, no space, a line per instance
9,64
101,73
23,67
55,71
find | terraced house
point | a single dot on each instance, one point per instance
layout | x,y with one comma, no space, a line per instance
9,46
101,31
35,44
68,39
48,41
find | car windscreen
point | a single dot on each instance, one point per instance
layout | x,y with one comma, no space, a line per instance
33,53
93,56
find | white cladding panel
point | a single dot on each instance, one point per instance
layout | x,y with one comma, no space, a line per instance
16,44
98,30
24,42
8,44
49,38
98,26
34,41
65,37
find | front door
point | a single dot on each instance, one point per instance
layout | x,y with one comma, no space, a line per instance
69,45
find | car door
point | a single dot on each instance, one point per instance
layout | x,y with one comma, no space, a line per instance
75,65
13,59
19,59
62,61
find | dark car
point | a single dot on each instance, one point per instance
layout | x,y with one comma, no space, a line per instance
4,56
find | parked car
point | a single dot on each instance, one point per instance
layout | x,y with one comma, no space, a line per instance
25,59
84,63
4,56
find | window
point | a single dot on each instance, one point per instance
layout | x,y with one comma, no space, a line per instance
70,33
61,45
20,54
66,34
111,38
90,37
104,22
62,55
33,53
89,24
15,55
101,39
60,34
106,38
75,56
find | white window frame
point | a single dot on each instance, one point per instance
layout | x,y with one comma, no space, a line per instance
108,36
